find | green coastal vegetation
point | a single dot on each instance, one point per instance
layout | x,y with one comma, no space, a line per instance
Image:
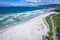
50,33
56,19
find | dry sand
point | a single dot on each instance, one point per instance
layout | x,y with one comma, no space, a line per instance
33,29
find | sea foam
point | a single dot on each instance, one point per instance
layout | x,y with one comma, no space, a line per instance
15,18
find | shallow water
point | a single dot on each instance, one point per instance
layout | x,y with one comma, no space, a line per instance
15,18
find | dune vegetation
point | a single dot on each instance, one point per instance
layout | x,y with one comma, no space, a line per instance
56,18
50,33
57,24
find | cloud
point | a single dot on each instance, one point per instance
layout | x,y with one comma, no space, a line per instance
31,0
22,4
17,4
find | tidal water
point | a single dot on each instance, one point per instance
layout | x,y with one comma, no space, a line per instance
14,15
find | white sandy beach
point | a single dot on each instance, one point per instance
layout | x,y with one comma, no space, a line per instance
33,29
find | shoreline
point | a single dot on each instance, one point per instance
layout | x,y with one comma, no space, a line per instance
23,20
33,26
7,27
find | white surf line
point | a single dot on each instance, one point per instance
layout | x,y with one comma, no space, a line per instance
39,12
33,29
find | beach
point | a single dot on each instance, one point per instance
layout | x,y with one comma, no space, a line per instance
33,29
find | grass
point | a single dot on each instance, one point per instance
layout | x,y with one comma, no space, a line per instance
50,33
57,24
56,19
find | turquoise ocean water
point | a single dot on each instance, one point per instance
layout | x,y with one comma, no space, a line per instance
14,15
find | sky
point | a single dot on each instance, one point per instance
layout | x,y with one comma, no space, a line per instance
27,2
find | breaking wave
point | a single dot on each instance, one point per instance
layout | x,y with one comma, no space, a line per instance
14,18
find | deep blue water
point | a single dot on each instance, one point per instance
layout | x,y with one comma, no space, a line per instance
14,15
9,10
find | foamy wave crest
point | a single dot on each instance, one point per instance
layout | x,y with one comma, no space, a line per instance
14,18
